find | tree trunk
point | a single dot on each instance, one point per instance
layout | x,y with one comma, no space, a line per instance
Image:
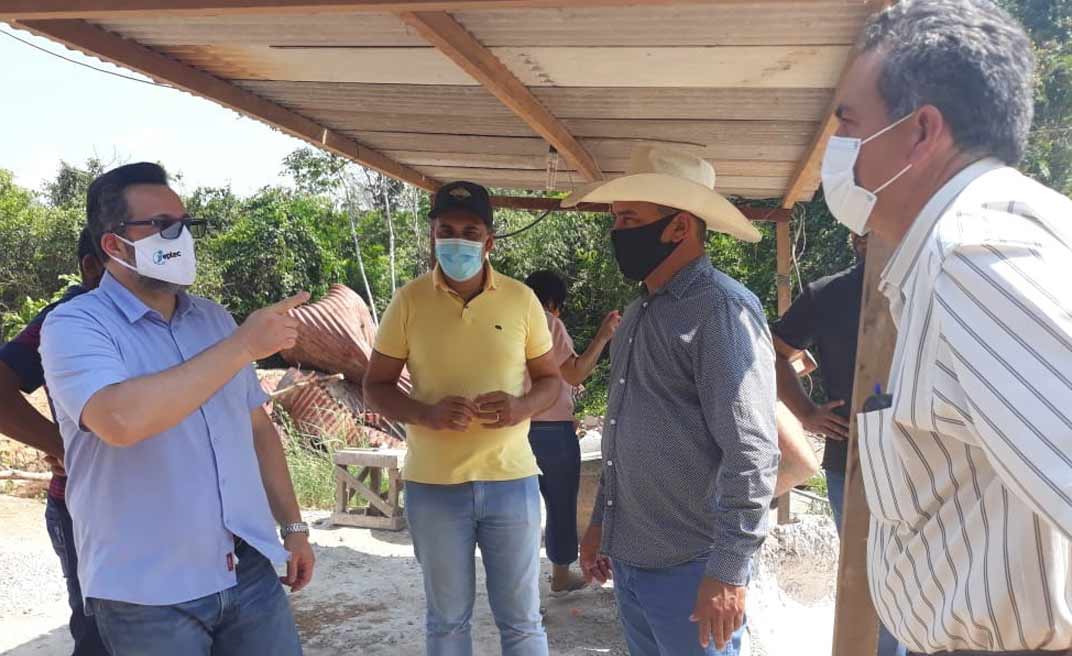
415,204
385,191
361,266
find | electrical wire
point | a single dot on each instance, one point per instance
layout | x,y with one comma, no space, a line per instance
519,231
83,64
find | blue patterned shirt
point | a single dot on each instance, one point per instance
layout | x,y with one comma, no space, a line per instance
690,449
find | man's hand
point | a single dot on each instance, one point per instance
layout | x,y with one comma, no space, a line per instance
300,565
719,611
56,465
594,565
451,413
270,329
824,420
499,410
609,326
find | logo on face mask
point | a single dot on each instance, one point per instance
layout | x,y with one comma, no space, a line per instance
159,257
170,260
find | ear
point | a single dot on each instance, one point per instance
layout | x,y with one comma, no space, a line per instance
679,228
489,245
112,246
930,133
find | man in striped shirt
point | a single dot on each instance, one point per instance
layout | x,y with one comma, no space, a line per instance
967,460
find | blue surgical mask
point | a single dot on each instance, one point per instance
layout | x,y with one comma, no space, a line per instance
459,259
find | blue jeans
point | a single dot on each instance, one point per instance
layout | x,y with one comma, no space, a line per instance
655,605
250,619
558,453
447,522
87,641
835,492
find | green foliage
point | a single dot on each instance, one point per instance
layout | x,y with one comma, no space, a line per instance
274,248
312,470
71,183
39,241
1049,153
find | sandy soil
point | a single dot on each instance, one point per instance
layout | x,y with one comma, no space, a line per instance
367,596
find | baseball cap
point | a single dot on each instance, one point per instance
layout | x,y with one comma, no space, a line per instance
463,196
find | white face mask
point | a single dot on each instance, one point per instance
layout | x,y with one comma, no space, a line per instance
170,260
850,203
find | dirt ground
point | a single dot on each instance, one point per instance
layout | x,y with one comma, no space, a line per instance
367,598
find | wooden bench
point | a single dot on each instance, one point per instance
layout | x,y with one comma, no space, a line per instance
384,510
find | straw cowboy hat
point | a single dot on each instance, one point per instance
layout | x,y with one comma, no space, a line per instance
673,179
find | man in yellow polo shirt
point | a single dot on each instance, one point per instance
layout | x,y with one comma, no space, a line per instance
468,336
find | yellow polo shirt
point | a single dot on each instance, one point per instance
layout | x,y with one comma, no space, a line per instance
454,349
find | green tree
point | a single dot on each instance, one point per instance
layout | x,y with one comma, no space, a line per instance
1049,153
272,250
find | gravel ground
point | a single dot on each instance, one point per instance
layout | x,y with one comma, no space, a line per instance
33,596
367,597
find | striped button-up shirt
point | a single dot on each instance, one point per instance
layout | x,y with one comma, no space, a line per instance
690,451
969,472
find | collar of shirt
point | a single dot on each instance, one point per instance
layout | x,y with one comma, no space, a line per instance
683,279
132,307
490,280
896,274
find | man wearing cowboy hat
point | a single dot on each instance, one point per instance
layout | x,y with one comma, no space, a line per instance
690,449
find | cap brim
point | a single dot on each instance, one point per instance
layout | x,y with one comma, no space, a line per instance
717,212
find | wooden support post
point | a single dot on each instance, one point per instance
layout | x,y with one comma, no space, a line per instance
784,254
855,620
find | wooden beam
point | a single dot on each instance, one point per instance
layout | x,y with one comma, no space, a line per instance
783,261
855,619
99,43
807,173
453,40
774,215
101,9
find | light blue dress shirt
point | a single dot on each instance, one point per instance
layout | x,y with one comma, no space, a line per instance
155,522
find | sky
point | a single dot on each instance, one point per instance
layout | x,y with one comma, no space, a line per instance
53,110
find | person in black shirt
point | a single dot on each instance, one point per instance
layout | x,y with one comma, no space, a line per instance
826,317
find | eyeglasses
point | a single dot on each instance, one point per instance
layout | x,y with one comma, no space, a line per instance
171,228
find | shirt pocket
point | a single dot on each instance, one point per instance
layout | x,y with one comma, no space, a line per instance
883,470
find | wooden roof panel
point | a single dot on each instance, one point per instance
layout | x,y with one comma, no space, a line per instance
563,102
416,158
790,22
613,148
424,119
355,29
719,67
528,179
821,22
745,84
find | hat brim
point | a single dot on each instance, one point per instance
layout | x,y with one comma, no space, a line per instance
719,214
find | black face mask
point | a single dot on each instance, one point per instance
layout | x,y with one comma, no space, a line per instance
639,250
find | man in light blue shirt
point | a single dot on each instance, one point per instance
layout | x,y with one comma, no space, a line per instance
175,471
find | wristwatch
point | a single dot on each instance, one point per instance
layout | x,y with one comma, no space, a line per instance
296,527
